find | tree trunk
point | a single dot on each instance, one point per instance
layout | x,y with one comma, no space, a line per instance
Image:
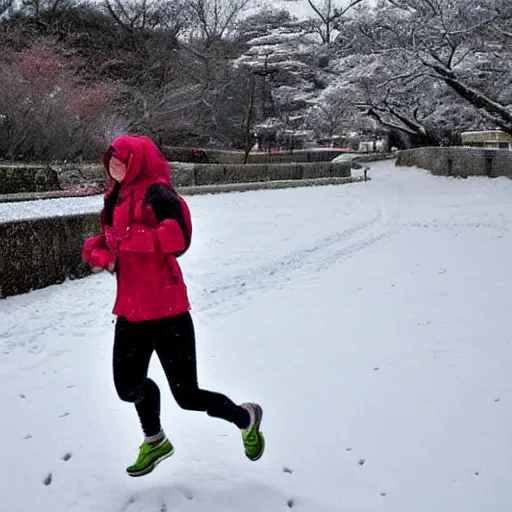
248,143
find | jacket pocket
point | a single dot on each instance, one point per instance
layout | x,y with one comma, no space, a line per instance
138,240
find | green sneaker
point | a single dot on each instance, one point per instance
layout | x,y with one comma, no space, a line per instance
254,442
149,456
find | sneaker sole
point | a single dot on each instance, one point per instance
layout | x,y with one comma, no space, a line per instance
149,469
259,416
258,457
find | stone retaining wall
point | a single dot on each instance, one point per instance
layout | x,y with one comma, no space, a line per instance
457,161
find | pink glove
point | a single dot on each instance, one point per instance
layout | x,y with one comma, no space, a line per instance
94,242
102,258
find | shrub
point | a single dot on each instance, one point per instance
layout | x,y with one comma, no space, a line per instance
47,110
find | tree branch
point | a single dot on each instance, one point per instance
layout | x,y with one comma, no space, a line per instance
373,113
352,4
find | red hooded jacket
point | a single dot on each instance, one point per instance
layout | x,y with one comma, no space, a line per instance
150,283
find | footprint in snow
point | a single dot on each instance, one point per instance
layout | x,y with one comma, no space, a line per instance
66,456
131,501
187,493
48,480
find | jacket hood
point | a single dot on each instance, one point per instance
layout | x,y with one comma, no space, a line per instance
144,161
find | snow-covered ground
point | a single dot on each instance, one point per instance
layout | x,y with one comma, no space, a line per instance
50,208
372,322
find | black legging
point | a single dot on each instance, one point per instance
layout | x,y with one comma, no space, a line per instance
174,342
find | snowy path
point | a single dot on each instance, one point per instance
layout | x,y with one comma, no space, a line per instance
371,320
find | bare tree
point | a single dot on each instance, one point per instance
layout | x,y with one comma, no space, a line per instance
329,16
215,19
36,7
248,122
133,15
47,110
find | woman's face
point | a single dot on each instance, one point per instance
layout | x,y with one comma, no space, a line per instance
117,169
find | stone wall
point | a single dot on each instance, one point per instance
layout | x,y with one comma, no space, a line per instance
41,252
457,161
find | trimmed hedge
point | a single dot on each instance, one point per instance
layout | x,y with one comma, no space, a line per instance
218,156
16,179
186,175
267,185
188,155
22,179
295,156
44,180
375,157
41,252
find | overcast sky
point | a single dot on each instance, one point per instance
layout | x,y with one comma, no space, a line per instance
301,8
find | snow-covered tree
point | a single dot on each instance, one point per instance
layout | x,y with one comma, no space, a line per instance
332,112
464,44
398,97
428,69
282,53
